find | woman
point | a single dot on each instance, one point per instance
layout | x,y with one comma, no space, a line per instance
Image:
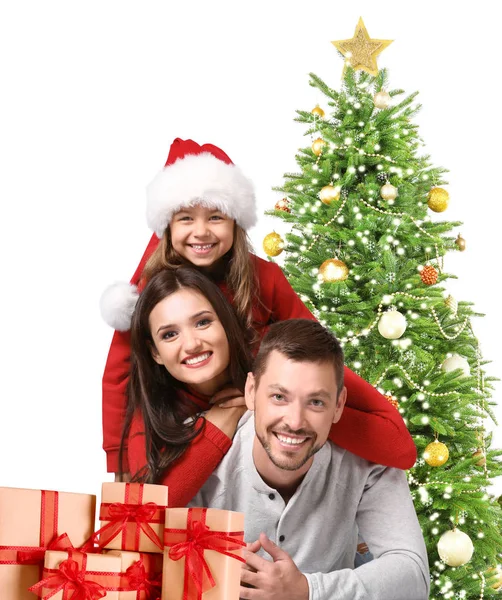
187,345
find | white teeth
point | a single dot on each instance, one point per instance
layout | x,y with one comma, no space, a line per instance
197,359
202,246
288,440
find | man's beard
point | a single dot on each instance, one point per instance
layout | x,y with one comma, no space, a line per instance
289,465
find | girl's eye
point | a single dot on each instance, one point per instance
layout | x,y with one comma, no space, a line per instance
216,218
185,218
203,322
169,335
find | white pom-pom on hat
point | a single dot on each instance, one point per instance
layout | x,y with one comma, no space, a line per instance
117,305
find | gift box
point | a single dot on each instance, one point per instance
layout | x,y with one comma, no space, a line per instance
32,521
141,575
132,517
203,554
78,575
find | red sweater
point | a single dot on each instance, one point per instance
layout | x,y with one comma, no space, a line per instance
370,426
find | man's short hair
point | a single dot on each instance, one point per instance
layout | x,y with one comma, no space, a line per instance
300,340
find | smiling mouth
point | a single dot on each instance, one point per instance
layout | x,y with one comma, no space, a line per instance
202,248
197,361
291,442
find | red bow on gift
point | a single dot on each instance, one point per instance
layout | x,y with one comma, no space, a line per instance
120,515
198,538
69,578
137,580
35,556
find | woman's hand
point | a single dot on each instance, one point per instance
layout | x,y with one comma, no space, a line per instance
228,407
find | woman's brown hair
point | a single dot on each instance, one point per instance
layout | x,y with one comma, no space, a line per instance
153,391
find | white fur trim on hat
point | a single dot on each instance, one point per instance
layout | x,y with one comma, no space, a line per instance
200,179
117,305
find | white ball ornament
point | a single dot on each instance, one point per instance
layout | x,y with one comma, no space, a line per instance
455,361
455,548
382,99
392,325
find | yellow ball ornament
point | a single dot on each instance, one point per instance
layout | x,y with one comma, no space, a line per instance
388,192
382,99
495,572
438,199
318,111
273,244
329,194
460,242
317,146
436,454
481,456
333,270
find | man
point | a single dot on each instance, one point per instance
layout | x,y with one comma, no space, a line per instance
308,496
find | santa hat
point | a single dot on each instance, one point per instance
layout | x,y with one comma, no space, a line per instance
193,175
199,175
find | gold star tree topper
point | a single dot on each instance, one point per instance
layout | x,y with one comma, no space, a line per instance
361,51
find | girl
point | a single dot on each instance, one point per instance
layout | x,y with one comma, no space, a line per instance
199,206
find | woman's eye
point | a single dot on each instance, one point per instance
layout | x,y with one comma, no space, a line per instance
168,335
203,322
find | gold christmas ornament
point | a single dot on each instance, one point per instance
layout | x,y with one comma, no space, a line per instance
382,99
455,548
482,458
436,454
392,400
318,111
361,51
495,571
429,275
452,304
329,194
282,205
333,270
455,361
388,192
460,242
273,244
317,146
438,199
392,325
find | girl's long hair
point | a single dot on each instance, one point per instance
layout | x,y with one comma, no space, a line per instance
153,391
238,272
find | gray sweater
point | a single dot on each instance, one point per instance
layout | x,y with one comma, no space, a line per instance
341,495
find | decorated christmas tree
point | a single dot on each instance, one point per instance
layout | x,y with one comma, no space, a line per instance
368,254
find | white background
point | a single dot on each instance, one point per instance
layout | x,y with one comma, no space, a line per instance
92,94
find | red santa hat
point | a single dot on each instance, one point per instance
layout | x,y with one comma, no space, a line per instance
199,175
193,175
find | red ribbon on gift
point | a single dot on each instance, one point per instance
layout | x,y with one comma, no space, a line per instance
48,538
190,543
75,581
137,578
129,519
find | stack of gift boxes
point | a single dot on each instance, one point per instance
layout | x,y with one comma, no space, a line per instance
143,550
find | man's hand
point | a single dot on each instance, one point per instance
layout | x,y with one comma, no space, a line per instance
278,579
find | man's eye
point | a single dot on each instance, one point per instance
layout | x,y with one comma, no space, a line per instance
278,397
317,403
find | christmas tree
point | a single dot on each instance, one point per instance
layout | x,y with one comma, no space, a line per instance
367,254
